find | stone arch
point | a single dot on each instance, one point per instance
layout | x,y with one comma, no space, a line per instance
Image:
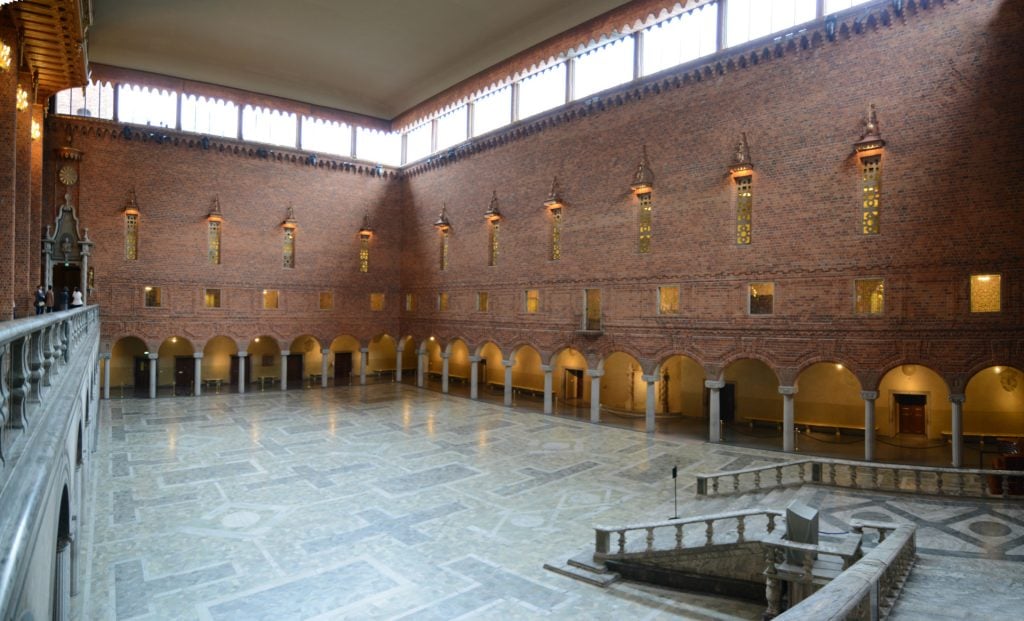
176,365
345,359
125,353
309,346
492,371
680,386
994,402
903,386
622,385
220,353
570,379
526,368
458,359
265,357
409,354
828,393
754,385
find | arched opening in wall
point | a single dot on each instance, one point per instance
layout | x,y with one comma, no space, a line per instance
623,391
408,368
914,416
492,372
129,368
344,361
432,366
62,566
265,355
750,406
994,410
176,366
381,358
828,411
219,368
79,449
570,383
527,376
680,389
458,367
305,362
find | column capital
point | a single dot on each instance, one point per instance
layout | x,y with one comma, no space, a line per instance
869,395
445,355
956,397
326,351
400,349
285,352
650,379
508,363
153,356
197,355
105,355
714,384
242,354
475,358
364,350
595,372
787,391
547,368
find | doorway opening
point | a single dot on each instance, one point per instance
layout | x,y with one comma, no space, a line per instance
65,275
572,385
911,413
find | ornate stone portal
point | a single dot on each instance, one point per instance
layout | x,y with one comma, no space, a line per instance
65,243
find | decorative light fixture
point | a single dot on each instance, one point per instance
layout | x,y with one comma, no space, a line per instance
215,214
493,214
741,162
5,56
554,196
37,131
131,206
290,223
366,231
21,98
871,138
643,178
442,224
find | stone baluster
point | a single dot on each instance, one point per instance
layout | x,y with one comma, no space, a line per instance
49,353
741,527
622,542
832,474
853,477
771,522
736,482
874,477
917,481
679,536
803,472
757,479
650,538
35,365
938,482
20,379
5,396
778,475
961,484
714,485
808,566
896,478
709,532
1006,486
772,592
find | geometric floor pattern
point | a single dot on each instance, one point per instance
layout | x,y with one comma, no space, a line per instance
390,502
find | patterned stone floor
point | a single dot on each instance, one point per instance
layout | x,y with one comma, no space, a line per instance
390,502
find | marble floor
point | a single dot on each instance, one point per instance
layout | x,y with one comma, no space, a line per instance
390,502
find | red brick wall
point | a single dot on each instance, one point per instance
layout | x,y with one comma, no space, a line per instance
10,291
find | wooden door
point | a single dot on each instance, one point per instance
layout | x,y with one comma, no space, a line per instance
342,368
911,413
142,374
294,371
184,373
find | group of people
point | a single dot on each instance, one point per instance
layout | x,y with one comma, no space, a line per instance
47,301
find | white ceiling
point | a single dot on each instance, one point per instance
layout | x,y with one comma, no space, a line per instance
375,57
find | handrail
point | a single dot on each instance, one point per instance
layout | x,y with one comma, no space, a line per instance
866,475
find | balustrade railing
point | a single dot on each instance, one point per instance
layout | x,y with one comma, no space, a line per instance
872,476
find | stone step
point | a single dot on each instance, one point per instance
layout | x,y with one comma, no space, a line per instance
601,579
585,561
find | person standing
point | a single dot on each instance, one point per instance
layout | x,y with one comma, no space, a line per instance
76,298
40,300
49,299
63,300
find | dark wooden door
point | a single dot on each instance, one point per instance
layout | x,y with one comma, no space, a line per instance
342,368
294,371
184,373
911,414
142,374
234,370
727,403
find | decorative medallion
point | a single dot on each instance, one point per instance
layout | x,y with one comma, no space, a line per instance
1008,380
68,175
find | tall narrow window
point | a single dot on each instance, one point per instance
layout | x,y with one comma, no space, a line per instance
592,309
985,293
270,299
761,300
444,250
668,300
532,300
364,254
556,233
131,236
645,222
326,300
442,301
493,243
871,176
211,298
482,302
744,205
214,241
870,296
410,302
289,248
376,301
153,298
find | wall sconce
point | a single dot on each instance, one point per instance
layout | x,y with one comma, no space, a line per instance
37,131
366,231
830,27
643,178
442,223
741,162
21,98
290,223
131,206
215,215
493,214
554,196
5,56
871,138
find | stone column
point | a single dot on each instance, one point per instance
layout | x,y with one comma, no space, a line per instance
957,401
788,436
548,396
242,356
398,363
420,363
869,397
595,394
364,359
714,409
508,380
444,371
325,359
198,379
152,375
649,403
106,375
284,369
62,582
474,377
